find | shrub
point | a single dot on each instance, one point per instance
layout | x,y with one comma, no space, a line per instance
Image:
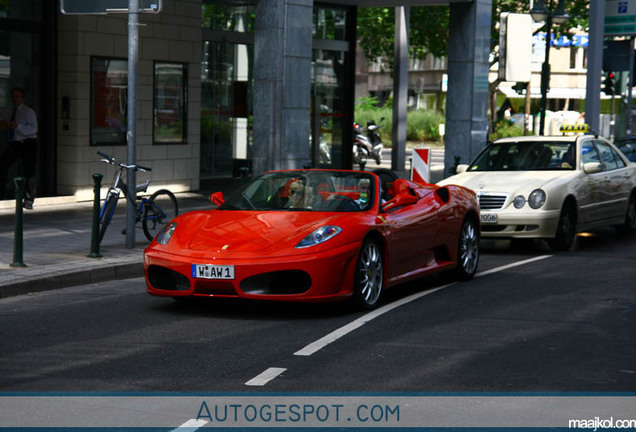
423,125
420,125
506,128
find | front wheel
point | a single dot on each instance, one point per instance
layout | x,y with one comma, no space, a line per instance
161,209
369,275
467,249
566,229
629,227
107,214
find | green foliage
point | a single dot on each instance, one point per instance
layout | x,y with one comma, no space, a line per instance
367,103
420,125
423,125
428,32
506,128
429,28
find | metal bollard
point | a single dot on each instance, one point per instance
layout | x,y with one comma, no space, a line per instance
97,178
363,163
18,236
245,171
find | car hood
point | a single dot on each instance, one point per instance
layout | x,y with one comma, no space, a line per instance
506,181
268,233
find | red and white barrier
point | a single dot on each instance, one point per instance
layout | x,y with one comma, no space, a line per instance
421,163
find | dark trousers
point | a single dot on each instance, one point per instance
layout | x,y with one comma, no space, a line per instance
24,151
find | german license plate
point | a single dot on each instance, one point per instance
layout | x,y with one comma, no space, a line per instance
488,218
211,271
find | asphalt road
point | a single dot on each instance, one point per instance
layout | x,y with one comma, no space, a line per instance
531,321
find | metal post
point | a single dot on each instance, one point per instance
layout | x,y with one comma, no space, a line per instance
18,236
97,179
628,90
133,57
245,172
545,73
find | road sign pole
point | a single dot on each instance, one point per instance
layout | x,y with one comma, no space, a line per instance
133,58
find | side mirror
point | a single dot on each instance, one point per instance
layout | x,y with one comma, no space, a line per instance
592,167
217,198
461,168
399,201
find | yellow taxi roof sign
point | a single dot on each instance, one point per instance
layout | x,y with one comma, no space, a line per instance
579,128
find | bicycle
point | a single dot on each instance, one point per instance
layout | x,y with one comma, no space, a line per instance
153,212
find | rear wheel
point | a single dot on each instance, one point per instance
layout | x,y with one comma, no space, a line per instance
369,275
468,249
162,211
566,230
629,227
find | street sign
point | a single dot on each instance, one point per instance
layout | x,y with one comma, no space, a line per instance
620,17
102,7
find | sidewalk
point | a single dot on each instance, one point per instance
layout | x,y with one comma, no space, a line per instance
57,242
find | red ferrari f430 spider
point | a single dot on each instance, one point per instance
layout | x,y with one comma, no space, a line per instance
316,235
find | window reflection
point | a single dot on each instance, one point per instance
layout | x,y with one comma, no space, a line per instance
170,103
222,17
226,116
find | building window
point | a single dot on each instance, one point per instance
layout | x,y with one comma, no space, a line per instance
30,10
109,91
169,109
230,18
329,24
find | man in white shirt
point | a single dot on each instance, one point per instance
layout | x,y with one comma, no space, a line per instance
21,124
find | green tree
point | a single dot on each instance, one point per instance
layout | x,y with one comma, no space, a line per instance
429,28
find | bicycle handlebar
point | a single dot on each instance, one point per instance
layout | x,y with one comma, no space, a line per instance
111,160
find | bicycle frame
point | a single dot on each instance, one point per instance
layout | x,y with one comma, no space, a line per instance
117,188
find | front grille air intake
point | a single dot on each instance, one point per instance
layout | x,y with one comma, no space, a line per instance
491,202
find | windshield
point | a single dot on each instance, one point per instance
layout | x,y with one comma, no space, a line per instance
525,156
305,190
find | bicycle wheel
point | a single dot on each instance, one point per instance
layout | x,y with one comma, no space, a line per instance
107,214
160,210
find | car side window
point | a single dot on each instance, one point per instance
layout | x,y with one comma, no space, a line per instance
608,157
588,152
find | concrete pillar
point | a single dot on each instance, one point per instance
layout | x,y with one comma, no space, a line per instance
594,65
467,97
282,84
400,87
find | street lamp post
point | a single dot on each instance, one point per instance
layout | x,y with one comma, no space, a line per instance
541,13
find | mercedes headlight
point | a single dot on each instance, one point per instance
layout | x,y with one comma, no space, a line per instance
319,235
536,198
519,201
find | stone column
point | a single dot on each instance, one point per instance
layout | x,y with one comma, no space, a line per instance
467,97
400,87
282,84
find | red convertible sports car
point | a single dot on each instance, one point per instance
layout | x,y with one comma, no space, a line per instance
316,235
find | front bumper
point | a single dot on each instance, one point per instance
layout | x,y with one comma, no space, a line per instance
304,277
520,223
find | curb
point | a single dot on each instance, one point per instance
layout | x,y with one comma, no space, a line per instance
73,278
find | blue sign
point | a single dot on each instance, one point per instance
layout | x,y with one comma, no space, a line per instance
563,41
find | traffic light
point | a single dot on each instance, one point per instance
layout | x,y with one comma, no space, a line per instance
609,84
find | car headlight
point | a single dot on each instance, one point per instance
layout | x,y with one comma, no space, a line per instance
519,201
164,236
319,235
536,198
